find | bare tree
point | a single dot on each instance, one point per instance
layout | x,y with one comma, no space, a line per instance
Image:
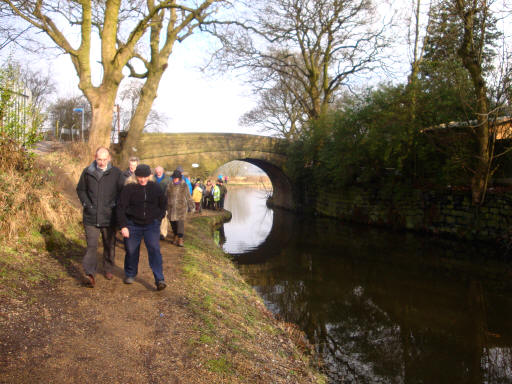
313,46
9,34
416,40
128,99
234,168
475,18
42,86
465,34
138,35
277,112
63,116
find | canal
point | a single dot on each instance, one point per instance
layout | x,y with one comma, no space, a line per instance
378,306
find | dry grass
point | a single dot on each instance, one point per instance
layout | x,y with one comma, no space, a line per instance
27,197
73,156
35,218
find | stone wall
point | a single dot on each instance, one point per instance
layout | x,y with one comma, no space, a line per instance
449,212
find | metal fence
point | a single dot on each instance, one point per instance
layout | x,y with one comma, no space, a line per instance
14,112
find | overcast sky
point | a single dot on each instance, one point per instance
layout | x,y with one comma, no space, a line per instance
196,102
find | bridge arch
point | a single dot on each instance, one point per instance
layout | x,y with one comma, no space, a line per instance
211,150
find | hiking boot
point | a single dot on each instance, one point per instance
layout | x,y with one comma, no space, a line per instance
180,242
89,281
160,285
175,240
129,280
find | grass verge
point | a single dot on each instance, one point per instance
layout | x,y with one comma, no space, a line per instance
239,339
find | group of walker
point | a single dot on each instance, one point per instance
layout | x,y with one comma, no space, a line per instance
138,202
210,195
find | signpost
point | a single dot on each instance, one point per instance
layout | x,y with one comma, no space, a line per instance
81,110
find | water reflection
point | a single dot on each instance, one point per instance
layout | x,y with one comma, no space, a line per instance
383,307
251,221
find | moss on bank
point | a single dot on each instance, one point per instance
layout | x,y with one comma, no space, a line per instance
243,341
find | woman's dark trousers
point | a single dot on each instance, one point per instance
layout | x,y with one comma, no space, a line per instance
178,227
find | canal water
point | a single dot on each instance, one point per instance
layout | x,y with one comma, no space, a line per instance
379,306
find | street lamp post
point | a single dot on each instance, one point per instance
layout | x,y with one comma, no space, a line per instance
81,110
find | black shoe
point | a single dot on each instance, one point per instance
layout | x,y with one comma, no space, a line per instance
89,281
160,285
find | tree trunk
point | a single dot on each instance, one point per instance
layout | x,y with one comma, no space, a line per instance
481,175
138,121
101,125
470,51
101,122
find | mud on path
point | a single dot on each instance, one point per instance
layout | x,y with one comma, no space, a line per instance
113,333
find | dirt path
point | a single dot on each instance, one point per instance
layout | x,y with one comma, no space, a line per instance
113,333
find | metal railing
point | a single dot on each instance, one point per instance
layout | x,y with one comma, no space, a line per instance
14,113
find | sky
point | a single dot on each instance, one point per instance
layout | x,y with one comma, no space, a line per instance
196,102
191,100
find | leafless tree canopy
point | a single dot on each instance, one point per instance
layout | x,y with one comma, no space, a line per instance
134,34
278,112
42,86
310,47
128,99
63,116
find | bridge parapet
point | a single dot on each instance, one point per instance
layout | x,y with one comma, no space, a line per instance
158,144
211,150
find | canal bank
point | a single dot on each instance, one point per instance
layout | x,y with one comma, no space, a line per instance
246,342
443,212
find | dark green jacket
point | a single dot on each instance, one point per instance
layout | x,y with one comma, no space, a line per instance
164,182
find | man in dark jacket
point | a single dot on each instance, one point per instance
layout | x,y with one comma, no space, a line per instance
98,190
141,209
132,164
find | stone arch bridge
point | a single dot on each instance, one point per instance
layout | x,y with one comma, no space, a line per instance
211,150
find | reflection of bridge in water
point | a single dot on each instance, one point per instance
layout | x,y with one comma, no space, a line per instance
279,236
211,150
